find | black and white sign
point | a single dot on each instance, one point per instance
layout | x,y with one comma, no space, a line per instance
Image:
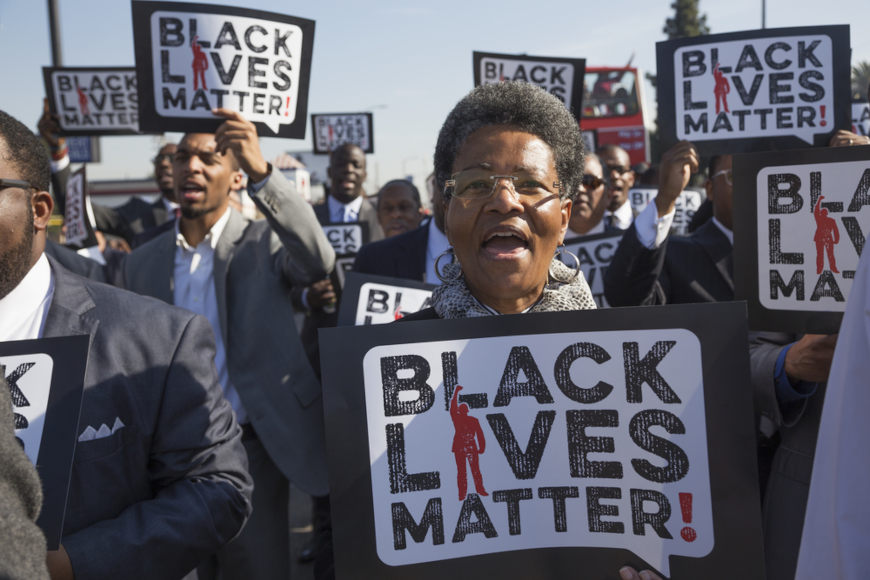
861,118
804,217
332,130
753,90
594,253
687,204
93,101
191,58
78,219
369,299
561,77
516,446
45,379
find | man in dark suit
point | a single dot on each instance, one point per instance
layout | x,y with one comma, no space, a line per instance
159,476
238,273
652,268
587,213
620,179
130,221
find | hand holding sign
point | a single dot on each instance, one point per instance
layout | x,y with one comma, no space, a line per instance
629,573
321,294
810,358
677,166
240,136
843,138
49,128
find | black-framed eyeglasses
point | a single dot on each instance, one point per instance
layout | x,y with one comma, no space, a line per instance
727,174
592,181
476,184
19,183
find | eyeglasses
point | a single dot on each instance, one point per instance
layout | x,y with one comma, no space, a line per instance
20,184
480,184
592,181
620,169
729,177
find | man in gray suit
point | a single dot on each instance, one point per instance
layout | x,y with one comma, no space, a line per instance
159,476
238,274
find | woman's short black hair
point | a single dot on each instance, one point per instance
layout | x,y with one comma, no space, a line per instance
524,106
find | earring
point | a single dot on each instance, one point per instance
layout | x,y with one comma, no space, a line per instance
559,255
448,252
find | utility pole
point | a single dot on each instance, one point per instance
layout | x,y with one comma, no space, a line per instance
54,33
763,14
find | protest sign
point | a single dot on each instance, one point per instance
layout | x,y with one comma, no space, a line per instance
561,77
346,239
45,379
803,219
687,204
861,118
754,90
594,253
93,100
84,149
370,299
191,58
78,218
626,443
332,130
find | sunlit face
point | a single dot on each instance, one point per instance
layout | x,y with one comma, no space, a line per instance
591,202
16,229
398,211
347,173
203,177
617,167
163,170
505,243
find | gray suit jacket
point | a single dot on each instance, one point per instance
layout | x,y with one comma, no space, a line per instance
255,264
169,485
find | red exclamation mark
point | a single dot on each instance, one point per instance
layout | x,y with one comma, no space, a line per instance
687,533
822,111
287,108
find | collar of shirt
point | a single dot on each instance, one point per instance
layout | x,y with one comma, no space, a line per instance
623,216
436,246
728,233
23,310
170,206
338,212
212,237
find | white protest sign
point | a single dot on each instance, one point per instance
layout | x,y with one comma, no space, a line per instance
78,214
196,57
861,119
345,238
594,254
384,303
592,439
29,380
561,77
332,130
93,101
811,229
687,204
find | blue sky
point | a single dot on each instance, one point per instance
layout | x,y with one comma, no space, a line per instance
408,62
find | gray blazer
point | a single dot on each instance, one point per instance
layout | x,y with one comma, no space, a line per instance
254,267
170,485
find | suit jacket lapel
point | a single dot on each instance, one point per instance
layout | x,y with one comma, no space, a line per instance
719,249
223,255
161,264
68,312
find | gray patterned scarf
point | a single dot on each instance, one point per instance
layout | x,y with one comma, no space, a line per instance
453,299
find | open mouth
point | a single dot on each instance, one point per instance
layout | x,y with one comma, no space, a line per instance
192,192
505,243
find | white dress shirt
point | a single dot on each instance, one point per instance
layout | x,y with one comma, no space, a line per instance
344,213
24,309
436,246
195,291
622,217
652,230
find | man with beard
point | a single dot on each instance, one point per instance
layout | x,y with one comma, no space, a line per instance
167,484
136,220
620,179
238,274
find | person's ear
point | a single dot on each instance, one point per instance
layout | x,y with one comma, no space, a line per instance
565,211
42,204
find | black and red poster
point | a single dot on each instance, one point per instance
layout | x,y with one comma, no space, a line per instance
754,90
803,221
191,58
517,446
93,100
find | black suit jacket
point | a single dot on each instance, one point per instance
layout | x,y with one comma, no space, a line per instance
402,256
695,268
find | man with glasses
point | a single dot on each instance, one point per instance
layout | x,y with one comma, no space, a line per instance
619,178
132,221
588,211
158,478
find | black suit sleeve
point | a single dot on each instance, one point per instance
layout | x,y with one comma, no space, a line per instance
636,276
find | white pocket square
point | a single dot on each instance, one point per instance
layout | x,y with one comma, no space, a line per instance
90,434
